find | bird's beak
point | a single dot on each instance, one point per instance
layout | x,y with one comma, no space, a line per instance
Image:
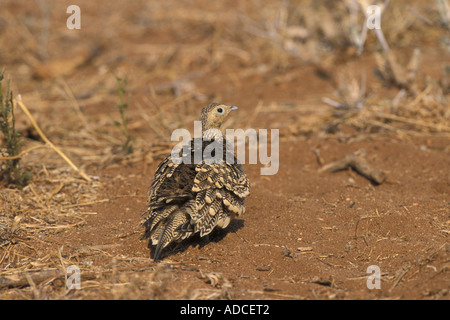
233,108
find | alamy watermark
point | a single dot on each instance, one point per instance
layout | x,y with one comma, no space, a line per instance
213,153
373,17
373,14
73,281
374,280
74,20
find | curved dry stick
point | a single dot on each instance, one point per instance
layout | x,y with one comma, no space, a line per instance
358,162
48,142
20,155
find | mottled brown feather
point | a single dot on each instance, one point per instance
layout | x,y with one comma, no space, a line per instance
195,198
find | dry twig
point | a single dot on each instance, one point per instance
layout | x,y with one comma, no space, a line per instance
357,161
46,140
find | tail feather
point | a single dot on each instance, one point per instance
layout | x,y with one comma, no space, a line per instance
170,231
154,218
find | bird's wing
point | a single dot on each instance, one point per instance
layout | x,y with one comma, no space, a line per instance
220,191
170,190
190,198
165,170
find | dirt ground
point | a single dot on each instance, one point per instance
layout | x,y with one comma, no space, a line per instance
305,234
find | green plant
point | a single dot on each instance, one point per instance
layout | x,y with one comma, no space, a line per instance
122,107
10,150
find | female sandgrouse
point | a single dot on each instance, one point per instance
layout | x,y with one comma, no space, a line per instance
195,196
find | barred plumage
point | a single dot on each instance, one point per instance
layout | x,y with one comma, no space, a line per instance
195,198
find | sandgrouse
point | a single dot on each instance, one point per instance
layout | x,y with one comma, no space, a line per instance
189,197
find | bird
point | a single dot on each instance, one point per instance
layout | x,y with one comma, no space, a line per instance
187,198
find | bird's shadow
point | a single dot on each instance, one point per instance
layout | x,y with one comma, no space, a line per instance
215,236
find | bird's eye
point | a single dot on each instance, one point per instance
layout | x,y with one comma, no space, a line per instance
220,111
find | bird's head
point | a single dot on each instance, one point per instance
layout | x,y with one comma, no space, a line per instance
214,115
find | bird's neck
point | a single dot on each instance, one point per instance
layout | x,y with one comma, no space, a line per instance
212,133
